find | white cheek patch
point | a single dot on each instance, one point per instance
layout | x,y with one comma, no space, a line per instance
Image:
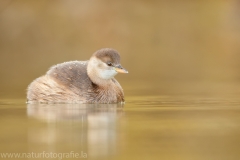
102,73
107,74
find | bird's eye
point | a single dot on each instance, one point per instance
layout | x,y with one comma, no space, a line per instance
109,63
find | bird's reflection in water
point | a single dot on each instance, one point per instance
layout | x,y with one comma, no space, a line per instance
90,128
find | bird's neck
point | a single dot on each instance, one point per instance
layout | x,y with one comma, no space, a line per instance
93,73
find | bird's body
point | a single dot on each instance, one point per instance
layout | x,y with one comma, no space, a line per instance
80,81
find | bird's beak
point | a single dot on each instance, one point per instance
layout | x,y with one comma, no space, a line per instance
120,69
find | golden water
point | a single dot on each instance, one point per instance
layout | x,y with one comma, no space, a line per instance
181,125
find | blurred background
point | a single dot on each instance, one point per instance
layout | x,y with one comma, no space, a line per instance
167,46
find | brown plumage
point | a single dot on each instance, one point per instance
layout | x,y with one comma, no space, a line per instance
80,81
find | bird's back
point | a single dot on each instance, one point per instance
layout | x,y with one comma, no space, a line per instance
66,82
71,74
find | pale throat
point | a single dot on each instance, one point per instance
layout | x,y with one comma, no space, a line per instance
99,75
107,74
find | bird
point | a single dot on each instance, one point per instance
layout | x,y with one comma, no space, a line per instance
85,82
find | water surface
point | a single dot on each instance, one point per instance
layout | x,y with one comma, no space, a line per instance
170,126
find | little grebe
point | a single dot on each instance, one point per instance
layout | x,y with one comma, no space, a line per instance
80,81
